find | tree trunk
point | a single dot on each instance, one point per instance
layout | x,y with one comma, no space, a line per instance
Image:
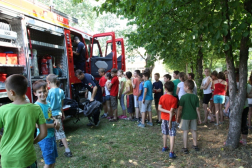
237,100
199,69
149,65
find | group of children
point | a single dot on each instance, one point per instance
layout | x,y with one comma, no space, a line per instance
175,102
19,117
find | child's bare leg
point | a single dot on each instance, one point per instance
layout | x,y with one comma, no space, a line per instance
194,136
150,116
105,108
206,112
249,116
185,134
172,140
143,117
221,112
137,112
64,141
115,114
164,140
108,108
217,112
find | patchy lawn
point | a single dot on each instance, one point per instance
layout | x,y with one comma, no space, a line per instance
123,144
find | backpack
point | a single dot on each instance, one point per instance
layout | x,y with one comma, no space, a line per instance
92,110
73,110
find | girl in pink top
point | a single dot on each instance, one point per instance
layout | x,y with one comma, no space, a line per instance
220,88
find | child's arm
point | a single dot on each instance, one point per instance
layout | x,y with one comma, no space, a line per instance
198,112
177,90
133,84
121,90
163,110
179,114
170,118
145,92
207,84
42,134
108,85
127,90
62,111
139,94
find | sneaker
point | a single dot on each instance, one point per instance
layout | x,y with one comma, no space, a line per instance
216,124
150,124
97,124
110,118
90,124
68,154
164,149
196,148
172,155
141,125
243,142
61,143
104,115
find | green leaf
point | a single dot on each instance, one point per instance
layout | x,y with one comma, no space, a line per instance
245,34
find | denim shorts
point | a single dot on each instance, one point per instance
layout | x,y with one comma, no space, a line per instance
165,128
106,98
136,105
219,99
49,150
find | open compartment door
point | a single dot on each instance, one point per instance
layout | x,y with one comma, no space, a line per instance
121,58
108,61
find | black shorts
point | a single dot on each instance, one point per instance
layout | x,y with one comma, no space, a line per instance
207,98
156,102
130,103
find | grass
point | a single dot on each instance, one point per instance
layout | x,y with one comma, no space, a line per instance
123,144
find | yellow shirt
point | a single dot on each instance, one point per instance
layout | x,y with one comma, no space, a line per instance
129,85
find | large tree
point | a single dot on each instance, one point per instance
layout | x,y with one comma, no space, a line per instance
176,31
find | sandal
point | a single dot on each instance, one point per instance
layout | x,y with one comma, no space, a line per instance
196,148
113,120
185,150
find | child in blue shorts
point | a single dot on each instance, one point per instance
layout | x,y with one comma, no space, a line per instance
47,145
55,97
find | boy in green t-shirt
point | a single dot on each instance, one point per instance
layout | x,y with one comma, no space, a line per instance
189,105
18,120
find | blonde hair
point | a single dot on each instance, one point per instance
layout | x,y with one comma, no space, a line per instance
183,76
52,78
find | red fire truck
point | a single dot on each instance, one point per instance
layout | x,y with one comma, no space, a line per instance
36,40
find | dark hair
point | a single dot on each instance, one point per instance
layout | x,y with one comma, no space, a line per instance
250,78
183,76
128,74
146,74
157,75
114,70
169,85
101,70
38,84
76,38
176,72
141,75
221,75
214,73
167,76
78,72
190,84
108,75
147,70
52,78
17,83
192,75
138,72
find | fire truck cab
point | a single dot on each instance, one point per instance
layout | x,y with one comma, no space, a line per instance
36,40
